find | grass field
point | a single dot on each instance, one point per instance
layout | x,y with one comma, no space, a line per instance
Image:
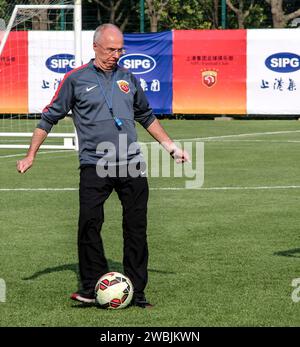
223,255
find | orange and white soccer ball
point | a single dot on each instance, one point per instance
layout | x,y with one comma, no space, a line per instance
114,290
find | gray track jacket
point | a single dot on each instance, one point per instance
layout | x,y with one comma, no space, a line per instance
87,91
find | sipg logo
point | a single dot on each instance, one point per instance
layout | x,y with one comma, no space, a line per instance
283,62
61,63
137,63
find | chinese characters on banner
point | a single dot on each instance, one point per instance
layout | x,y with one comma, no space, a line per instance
209,71
181,71
273,71
149,58
50,57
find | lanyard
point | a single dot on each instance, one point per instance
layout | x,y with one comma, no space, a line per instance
109,100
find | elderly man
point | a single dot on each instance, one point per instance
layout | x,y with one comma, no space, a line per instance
106,100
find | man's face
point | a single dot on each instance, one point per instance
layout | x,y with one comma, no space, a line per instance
108,49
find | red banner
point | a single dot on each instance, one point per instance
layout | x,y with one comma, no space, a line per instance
14,74
209,71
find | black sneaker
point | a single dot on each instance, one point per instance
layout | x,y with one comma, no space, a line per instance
83,298
141,302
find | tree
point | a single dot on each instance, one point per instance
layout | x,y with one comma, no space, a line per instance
3,5
185,14
40,19
119,11
155,9
205,14
240,11
215,14
210,13
279,17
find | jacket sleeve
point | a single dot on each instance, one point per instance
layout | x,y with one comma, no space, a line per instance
59,106
143,113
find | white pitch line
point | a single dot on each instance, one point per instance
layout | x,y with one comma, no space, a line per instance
159,188
37,189
265,141
177,140
230,188
243,135
232,135
24,154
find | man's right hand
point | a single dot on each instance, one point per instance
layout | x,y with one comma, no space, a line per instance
24,164
38,137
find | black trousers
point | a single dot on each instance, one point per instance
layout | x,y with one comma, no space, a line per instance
133,194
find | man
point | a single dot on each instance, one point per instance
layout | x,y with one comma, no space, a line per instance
105,101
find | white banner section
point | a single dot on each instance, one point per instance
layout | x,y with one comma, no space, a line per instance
51,56
273,71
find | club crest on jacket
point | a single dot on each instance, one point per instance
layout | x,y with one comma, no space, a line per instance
124,86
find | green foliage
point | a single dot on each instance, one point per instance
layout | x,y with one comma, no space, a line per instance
259,16
3,6
177,14
185,14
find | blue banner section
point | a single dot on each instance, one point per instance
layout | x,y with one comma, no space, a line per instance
149,58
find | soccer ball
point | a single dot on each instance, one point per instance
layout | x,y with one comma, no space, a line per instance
114,290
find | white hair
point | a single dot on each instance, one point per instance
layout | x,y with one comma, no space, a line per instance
101,28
